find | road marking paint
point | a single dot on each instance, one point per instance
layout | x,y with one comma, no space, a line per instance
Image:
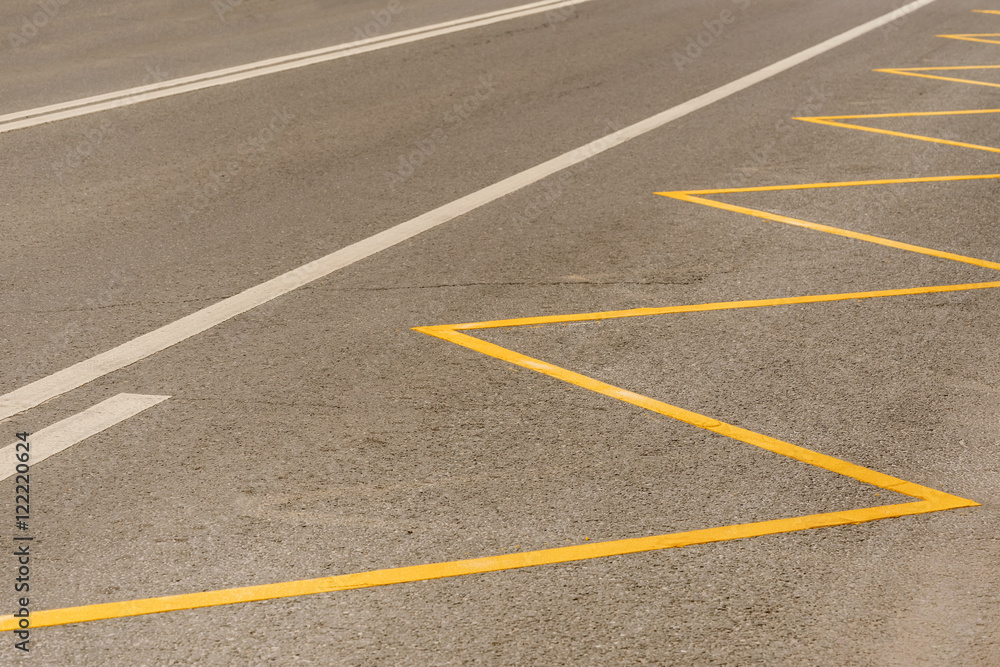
836,184
707,307
691,196
977,37
459,568
929,500
62,435
971,38
166,336
919,71
451,334
153,91
834,122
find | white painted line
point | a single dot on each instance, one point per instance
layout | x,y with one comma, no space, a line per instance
64,434
89,105
70,378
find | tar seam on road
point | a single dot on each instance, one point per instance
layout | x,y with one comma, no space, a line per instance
44,389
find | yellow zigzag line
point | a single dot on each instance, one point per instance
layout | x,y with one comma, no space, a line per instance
928,499
973,37
834,121
919,71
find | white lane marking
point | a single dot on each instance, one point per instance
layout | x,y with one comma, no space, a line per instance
89,105
83,372
64,434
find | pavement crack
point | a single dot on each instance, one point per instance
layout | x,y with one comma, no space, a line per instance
295,404
83,309
128,304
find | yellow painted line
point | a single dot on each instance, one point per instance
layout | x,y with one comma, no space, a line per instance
929,500
920,72
976,37
97,612
690,196
835,230
905,114
937,69
835,184
701,308
834,121
701,421
986,11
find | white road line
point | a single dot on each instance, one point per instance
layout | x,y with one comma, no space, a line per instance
89,105
70,378
64,434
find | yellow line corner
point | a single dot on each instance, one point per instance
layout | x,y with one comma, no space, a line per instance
835,121
973,37
921,72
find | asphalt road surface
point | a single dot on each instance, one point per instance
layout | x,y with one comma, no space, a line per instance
254,435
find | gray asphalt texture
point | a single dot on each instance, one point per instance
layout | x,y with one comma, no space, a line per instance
319,434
